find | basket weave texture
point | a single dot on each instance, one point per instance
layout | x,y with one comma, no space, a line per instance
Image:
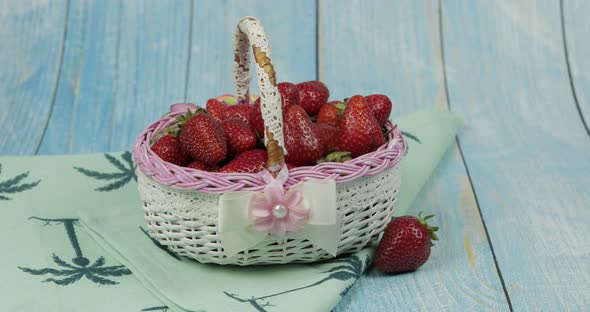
181,204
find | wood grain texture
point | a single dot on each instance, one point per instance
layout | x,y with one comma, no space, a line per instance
122,69
394,48
31,35
576,29
524,145
124,65
291,30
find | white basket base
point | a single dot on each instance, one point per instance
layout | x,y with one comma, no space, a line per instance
185,221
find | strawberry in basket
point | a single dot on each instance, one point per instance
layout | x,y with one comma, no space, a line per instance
312,96
359,130
301,137
168,148
216,136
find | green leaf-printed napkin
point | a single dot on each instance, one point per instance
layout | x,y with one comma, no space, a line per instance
75,240
48,262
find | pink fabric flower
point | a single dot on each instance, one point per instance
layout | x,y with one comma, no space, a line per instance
277,212
182,107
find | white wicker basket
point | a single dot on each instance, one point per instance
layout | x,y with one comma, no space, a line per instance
181,205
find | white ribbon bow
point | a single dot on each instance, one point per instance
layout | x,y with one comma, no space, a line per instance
307,210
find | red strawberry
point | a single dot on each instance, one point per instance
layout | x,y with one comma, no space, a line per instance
201,166
216,109
302,139
329,136
289,94
381,107
240,111
240,136
405,245
168,148
312,96
256,121
359,131
378,137
331,113
252,161
203,139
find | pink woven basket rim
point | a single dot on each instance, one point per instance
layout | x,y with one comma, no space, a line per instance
150,164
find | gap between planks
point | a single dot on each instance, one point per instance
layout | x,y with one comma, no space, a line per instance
569,70
57,77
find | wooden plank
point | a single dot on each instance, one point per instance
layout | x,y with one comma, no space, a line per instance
31,33
394,48
124,69
391,47
576,27
525,147
290,27
124,65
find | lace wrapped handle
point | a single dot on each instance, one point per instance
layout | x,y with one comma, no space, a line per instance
251,33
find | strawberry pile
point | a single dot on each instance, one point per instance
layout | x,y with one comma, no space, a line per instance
227,137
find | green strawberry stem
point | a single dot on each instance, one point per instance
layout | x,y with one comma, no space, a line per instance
176,128
431,229
338,156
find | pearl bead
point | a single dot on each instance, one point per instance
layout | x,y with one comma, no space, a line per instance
279,211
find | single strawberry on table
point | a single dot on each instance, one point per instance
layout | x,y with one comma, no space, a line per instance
240,136
202,137
252,161
331,113
312,96
381,107
168,148
405,245
360,132
302,139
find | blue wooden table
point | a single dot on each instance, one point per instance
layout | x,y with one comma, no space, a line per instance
513,194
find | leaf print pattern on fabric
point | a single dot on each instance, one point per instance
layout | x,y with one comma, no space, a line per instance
158,308
69,273
411,137
354,267
15,185
349,268
125,172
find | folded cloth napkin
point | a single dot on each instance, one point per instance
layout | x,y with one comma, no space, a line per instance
75,236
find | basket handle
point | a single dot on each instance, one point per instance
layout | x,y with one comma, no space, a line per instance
251,33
